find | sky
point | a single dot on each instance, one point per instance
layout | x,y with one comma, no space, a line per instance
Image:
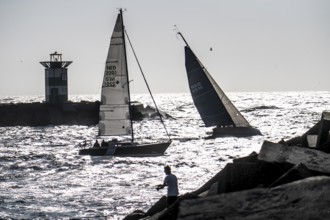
257,45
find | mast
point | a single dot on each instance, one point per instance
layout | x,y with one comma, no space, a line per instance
129,93
184,39
190,48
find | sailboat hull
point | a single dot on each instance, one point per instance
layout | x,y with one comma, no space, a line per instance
234,132
128,150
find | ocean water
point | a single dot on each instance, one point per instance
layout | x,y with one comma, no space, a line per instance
42,175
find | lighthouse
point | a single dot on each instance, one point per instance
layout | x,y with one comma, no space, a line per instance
56,79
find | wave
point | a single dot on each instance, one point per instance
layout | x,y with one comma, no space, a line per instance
262,107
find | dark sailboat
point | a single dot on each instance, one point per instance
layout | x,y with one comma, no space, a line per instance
115,109
213,105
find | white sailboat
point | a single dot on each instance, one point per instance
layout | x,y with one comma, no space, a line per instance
115,117
214,107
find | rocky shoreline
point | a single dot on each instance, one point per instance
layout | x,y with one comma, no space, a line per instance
285,180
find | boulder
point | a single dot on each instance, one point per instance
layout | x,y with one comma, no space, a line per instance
137,214
171,212
159,206
298,172
323,140
304,199
314,160
317,136
242,176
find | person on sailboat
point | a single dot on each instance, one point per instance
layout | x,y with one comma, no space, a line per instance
171,182
96,144
103,144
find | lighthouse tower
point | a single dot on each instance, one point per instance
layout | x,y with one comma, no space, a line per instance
56,78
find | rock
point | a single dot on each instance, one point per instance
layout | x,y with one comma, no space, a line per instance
207,185
252,158
320,131
323,140
140,112
304,199
213,190
242,176
298,172
157,207
314,160
138,214
172,212
301,141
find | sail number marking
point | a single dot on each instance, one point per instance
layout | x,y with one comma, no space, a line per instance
196,87
110,76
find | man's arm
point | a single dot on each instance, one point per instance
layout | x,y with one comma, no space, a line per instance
161,186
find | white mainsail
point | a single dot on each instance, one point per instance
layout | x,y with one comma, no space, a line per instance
114,108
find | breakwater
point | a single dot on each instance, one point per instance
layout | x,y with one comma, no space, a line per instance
42,114
69,113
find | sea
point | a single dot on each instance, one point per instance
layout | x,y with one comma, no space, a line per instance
43,177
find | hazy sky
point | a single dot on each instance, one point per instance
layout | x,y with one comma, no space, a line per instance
258,45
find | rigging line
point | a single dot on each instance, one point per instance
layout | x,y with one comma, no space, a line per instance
160,116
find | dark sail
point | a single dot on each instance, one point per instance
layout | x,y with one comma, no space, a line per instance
211,102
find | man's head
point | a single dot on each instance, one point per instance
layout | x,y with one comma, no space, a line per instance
167,169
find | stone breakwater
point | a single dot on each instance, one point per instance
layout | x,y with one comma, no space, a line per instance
69,113
43,114
285,180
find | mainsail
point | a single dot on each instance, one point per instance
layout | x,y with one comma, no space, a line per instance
211,102
115,100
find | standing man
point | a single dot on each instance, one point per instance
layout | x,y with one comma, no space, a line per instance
172,186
